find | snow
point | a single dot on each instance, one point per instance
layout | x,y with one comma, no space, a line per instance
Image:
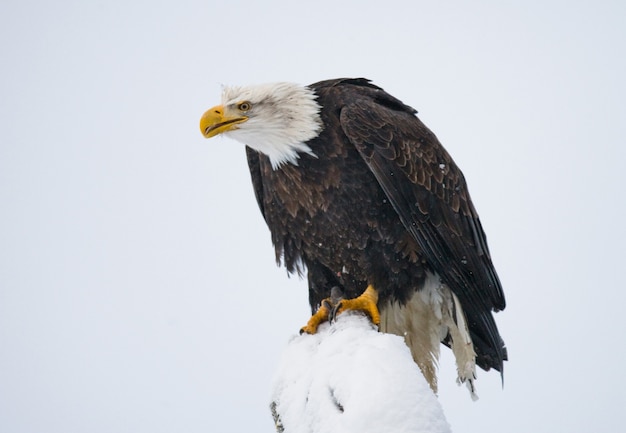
351,378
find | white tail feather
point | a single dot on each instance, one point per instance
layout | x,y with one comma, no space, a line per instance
431,315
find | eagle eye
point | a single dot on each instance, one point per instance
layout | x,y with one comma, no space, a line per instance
244,106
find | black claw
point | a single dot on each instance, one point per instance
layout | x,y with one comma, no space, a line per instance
336,296
327,304
333,312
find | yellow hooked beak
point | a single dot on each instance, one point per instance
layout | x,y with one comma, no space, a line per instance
216,120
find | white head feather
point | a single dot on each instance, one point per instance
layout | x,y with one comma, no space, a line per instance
282,118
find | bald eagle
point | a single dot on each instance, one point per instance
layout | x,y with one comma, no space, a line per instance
360,195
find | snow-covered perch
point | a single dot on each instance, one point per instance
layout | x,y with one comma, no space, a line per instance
351,378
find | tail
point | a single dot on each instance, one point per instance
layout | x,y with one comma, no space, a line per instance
433,315
461,344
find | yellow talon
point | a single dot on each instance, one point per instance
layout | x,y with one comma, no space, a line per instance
335,305
366,303
321,316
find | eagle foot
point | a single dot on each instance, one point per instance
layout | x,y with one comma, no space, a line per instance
334,305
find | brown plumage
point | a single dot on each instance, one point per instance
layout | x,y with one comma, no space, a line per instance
379,201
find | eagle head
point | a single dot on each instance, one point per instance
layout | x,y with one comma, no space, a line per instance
275,119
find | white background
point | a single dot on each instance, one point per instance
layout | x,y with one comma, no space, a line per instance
138,291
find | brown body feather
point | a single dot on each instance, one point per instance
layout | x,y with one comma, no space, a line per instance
381,202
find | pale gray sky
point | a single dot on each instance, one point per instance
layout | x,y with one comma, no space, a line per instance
138,291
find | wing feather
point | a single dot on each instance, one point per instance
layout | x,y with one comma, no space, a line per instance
256,176
429,193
